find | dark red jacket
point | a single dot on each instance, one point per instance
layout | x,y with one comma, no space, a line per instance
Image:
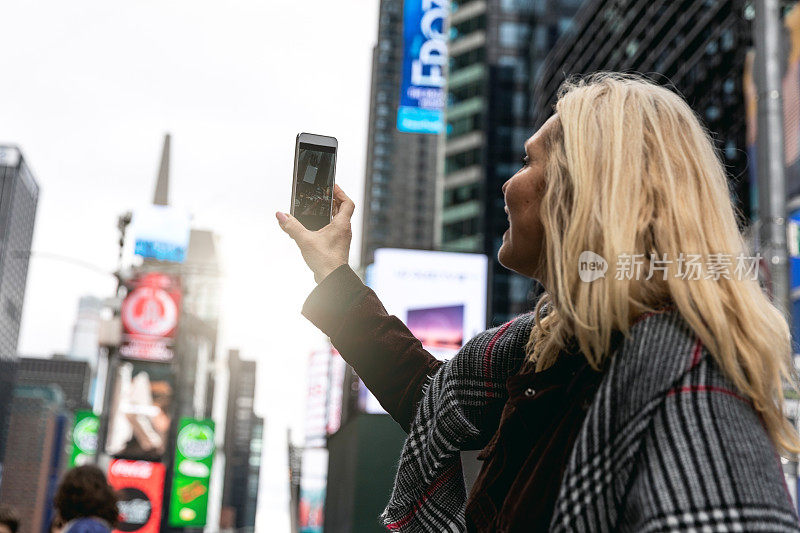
524,462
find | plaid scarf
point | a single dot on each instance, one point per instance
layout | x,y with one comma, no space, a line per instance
668,443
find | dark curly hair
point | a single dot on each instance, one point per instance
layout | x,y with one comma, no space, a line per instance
9,518
84,492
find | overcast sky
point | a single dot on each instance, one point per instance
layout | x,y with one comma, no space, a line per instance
89,89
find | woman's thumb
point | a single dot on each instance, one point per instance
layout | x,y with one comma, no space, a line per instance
289,224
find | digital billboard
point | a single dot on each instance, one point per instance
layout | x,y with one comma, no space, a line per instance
150,314
161,232
440,296
326,370
84,438
194,453
141,411
140,487
313,482
422,84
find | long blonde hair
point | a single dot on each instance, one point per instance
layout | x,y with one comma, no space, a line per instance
631,170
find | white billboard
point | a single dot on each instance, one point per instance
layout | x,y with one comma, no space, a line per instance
161,232
440,296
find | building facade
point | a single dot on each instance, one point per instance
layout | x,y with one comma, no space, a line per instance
496,48
19,195
36,454
699,48
73,378
241,424
399,189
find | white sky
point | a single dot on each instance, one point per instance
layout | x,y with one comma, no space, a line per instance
90,87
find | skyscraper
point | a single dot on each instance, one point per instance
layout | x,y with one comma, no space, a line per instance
399,190
85,344
697,47
496,48
19,194
240,426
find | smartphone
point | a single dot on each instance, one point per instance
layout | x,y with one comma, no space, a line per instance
312,183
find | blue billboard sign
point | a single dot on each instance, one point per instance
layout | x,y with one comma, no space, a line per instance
424,56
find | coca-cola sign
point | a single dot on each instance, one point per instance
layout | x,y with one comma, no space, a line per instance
140,488
150,315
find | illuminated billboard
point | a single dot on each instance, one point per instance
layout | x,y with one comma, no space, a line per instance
150,315
326,370
194,453
84,438
140,487
141,411
791,110
161,232
421,107
313,482
440,296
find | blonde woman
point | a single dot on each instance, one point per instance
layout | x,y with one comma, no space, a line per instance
643,393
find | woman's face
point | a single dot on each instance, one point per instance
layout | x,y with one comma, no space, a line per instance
523,244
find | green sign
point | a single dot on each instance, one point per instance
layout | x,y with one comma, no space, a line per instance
194,452
84,438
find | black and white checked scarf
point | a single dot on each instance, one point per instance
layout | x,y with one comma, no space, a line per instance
668,444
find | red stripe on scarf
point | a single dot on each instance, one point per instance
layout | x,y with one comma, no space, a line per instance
444,478
698,348
707,388
487,359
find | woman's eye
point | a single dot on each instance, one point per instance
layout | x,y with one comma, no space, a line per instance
525,161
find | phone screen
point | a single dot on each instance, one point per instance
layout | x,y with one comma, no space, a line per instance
314,187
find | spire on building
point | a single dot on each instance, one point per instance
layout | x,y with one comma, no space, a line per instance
161,196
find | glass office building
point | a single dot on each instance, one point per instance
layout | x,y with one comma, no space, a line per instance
497,49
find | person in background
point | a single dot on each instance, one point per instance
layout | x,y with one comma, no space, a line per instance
9,521
56,524
86,502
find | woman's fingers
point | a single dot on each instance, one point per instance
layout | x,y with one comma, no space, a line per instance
344,203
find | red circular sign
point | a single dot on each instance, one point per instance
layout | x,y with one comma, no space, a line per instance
149,311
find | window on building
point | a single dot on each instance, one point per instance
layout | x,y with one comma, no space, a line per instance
517,6
467,26
459,229
459,195
564,24
513,34
730,149
513,68
476,55
458,95
464,125
461,160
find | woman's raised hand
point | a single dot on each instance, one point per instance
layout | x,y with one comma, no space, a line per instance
327,249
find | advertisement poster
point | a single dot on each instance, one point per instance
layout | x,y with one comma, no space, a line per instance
140,487
84,438
440,296
161,232
140,414
313,481
191,476
150,315
791,110
422,95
